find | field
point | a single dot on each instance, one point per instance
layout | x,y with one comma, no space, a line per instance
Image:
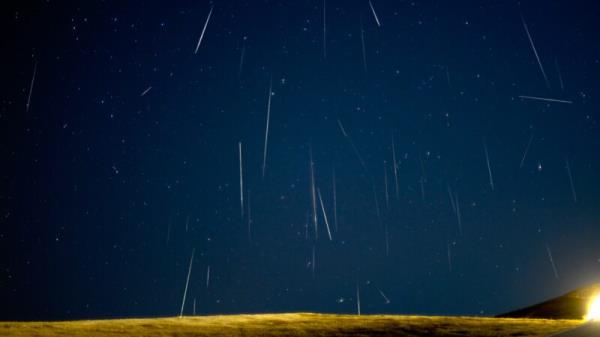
297,324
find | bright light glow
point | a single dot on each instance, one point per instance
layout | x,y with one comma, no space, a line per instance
593,312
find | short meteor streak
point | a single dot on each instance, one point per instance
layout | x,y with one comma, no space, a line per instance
324,214
145,91
489,167
526,151
203,30
31,87
374,14
545,99
535,51
387,300
551,261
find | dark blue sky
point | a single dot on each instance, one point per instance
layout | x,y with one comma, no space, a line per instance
105,191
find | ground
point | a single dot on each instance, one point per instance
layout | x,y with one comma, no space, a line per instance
297,324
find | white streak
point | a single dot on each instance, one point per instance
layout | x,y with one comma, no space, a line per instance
387,300
362,42
489,167
534,51
552,261
187,282
207,276
452,203
324,214
357,299
526,151
264,165
362,162
374,14
203,30
31,87
544,99
145,91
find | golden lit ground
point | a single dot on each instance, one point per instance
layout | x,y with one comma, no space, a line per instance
299,324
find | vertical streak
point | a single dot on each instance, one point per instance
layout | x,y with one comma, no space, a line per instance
324,214
487,160
526,151
31,87
534,50
207,276
264,166
552,261
357,299
362,41
395,165
203,30
187,282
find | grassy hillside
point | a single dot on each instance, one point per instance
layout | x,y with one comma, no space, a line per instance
300,324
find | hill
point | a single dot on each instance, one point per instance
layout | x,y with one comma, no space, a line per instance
572,305
297,324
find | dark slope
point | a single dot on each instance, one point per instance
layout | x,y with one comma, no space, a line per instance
572,305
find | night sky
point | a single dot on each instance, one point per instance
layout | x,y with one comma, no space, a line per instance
445,191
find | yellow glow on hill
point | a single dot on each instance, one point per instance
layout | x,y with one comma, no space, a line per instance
593,312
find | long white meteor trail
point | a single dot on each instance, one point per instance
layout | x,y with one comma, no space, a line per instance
187,282
374,14
31,87
544,99
203,30
535,51
264,165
